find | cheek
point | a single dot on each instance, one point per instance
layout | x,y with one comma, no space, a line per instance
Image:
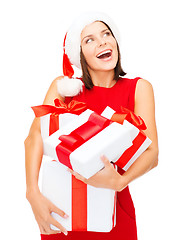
113,43
88,52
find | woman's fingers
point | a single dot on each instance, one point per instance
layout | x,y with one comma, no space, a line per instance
57,210
42,209
42,230
105,160
77,175
60,213
58,225
47,230
44,226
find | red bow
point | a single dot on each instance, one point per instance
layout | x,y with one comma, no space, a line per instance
79,136
60,107
131,117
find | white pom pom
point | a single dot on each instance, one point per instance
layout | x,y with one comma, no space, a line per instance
69,87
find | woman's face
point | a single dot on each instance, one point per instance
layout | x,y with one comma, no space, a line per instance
99,47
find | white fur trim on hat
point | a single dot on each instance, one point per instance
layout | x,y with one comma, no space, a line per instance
73,39
69,87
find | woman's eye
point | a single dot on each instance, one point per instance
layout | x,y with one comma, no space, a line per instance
89,40
107,34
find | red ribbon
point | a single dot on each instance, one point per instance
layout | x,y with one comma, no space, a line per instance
130,116
138,122
129,153
60,107
69,143
79,188
79,136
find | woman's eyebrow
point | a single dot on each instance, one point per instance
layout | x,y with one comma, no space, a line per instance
87,36
90,35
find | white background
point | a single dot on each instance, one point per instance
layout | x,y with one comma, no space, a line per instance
156,45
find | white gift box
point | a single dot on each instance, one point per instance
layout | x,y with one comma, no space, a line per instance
112,141
63,119
95,210
140,142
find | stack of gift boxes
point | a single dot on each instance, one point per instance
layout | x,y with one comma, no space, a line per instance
75,137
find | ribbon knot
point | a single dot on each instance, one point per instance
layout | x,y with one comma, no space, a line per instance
130,116
79,136
60,107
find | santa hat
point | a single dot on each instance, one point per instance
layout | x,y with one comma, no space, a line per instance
70,86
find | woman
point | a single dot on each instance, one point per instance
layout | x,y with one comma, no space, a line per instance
92,42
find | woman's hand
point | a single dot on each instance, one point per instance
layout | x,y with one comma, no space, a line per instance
108,177
42,209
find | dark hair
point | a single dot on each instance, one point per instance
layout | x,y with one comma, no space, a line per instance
85,72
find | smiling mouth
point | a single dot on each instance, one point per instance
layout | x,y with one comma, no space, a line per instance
105,54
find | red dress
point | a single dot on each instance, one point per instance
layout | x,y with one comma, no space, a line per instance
121,94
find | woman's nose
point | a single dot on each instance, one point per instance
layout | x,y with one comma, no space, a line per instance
101,41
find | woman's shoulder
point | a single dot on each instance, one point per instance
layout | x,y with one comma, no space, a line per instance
144,91
143,85
52,92
143,82
54,81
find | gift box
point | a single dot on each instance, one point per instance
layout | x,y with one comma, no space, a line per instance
54,117
140,142
84,204
88,208
83,138
80,143
55,174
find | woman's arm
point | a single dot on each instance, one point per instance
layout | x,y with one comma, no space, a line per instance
108,177
33,157
145,108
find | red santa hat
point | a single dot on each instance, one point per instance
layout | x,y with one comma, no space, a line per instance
72,46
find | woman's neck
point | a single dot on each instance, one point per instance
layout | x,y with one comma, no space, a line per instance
103,79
